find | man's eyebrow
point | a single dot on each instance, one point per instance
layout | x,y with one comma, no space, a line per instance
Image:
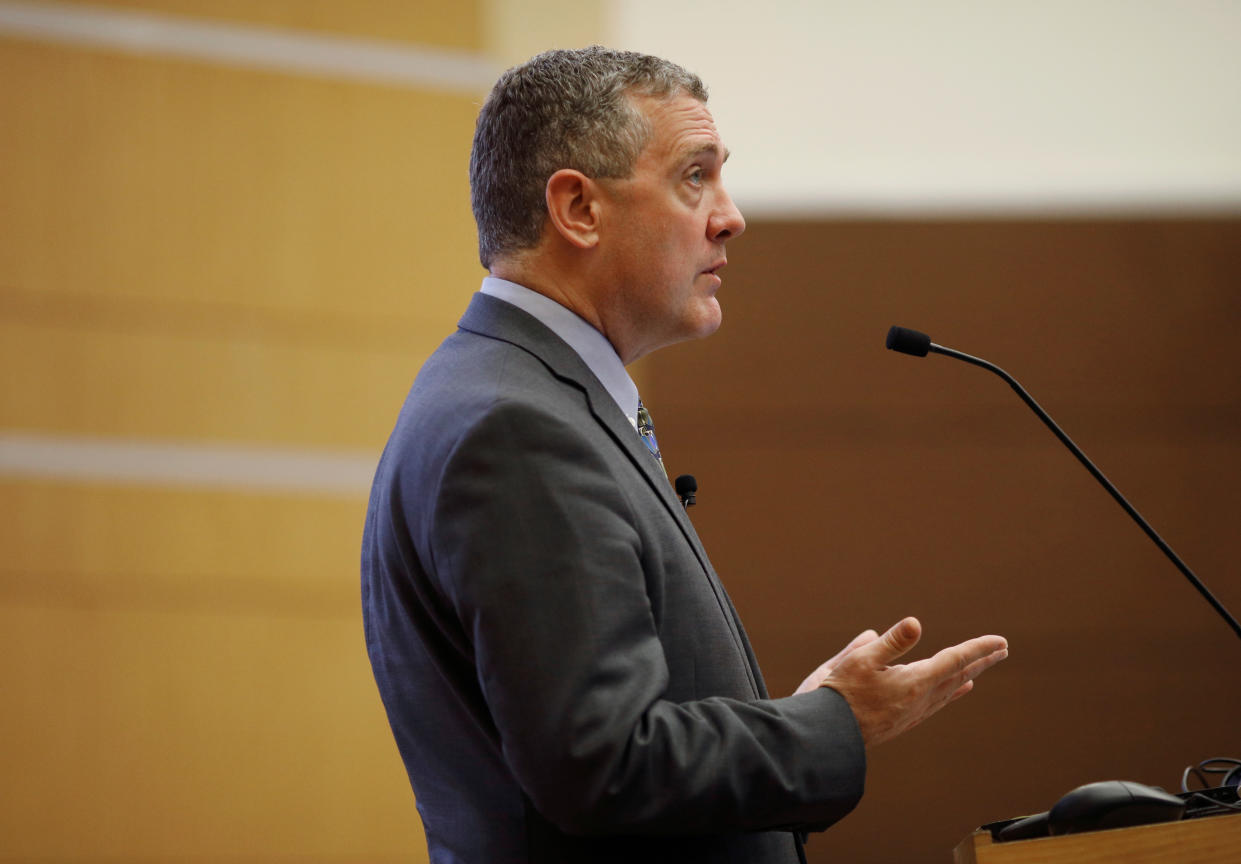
713,149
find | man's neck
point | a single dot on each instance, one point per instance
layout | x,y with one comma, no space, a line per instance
540,274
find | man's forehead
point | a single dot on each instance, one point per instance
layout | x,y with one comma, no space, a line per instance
695,146
683,126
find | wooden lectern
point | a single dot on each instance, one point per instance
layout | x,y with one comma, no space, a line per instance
1209,839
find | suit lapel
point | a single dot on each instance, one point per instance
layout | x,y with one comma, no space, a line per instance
489,316
492,317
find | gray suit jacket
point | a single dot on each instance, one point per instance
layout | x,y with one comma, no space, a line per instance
566,679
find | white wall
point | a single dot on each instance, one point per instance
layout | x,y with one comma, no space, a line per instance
948,106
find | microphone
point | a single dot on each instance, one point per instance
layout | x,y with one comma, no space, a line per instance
918,344
908,341
686,487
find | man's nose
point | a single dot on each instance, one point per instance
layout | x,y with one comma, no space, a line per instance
726,222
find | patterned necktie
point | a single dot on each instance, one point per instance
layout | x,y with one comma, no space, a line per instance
646,429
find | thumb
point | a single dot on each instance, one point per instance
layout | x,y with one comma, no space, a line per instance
899,639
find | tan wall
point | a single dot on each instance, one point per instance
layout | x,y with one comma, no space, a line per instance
202,259
204,254
842,486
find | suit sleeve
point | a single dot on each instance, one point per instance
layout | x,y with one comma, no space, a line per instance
533,540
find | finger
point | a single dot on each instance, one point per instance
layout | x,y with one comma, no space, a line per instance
974,670
936,704
959,692
966,676
900,638
954,695
982,665
815,678
957,658
863,638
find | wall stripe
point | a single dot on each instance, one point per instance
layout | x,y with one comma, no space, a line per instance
158,463
297,53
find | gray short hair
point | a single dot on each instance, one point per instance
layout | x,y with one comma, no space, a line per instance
561,109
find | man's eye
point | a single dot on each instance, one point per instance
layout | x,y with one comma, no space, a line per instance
695,176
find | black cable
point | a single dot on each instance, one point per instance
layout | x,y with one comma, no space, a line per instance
1227,760
1213,802
1194,770
1207,766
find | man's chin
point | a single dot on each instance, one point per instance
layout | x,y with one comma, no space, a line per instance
703,323
709,318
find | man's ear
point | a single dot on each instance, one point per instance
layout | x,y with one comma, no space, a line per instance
573,207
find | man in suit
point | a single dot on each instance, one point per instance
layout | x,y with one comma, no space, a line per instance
564,673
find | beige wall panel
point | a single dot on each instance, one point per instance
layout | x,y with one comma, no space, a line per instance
516,30
187,675
152,384
446,23
139,177
147,547
196,252
141,735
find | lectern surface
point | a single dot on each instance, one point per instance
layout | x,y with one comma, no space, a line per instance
1213,838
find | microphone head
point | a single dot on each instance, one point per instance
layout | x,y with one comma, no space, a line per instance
908,341
685,485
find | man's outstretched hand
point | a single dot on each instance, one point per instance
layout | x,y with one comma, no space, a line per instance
890,699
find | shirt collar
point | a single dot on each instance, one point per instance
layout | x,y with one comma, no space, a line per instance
591,345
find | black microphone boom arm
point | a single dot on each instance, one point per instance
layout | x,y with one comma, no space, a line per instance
919,344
